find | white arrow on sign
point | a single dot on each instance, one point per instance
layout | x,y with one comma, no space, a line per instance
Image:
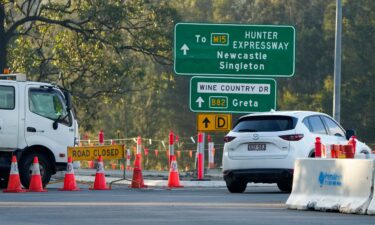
185,48
199,101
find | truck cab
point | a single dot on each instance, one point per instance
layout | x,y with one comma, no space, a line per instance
36,119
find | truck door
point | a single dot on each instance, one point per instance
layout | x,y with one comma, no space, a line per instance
9,116
48,123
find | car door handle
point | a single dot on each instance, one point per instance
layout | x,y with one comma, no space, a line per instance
31,129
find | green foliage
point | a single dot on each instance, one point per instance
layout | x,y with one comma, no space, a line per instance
117,61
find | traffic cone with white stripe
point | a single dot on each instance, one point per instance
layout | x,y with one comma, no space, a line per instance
36,179
14,183
137,181
69,180
128,167
174,177
99,183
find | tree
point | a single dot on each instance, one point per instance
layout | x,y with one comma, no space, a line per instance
96,49
121,25
19,18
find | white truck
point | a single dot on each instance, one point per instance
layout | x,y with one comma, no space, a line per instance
36,119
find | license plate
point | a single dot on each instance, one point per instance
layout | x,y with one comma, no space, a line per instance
256,147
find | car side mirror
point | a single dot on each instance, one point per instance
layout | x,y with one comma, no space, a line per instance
349,134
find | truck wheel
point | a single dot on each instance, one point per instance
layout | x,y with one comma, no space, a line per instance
26,168
236,186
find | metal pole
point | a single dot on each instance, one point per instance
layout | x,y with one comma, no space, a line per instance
337,67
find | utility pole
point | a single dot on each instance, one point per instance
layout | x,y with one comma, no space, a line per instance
337,67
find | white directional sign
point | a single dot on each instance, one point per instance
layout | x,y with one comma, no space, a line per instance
184,49
199,101
234,50
232,95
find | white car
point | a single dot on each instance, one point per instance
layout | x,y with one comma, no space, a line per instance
262,147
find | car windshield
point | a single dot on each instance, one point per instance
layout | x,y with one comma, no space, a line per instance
265,124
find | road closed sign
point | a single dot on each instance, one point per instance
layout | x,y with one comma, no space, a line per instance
93,152
214,122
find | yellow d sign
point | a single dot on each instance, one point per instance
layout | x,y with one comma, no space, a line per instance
214,122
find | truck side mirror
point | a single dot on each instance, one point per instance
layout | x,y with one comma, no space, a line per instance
349,134
55,125
68,99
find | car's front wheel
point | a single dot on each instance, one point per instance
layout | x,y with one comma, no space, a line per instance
285,185
236,186
366,153
4,181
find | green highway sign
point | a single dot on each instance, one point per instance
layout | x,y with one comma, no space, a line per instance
234,50
232,95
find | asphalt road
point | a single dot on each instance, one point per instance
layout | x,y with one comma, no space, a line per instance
157,205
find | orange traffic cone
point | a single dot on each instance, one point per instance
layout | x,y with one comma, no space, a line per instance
174,177
36,180
14,183
100,183
137,181
69,180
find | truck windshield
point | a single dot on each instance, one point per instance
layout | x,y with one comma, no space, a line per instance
47,102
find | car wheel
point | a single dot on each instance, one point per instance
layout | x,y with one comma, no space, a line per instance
285,186
26,168
365,152
236,186
4,182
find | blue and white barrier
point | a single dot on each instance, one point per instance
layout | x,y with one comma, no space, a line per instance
343,185
371,207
